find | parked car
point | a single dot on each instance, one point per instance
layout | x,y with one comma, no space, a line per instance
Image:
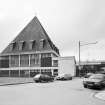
64,77
88,75
94,81
42,78
102,72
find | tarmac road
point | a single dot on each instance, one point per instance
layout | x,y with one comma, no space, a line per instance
52,93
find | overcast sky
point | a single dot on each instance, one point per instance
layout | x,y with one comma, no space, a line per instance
65,21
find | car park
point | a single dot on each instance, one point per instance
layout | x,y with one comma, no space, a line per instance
94,81
64,77
43,78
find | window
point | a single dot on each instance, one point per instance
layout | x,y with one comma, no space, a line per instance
14,73
24,73
46,62
32,44
4,62
14,61
55,63
12,46
34,60
42,43
21,45
4,73
55,73
24,60
45,55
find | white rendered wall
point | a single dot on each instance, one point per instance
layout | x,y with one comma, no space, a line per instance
67,65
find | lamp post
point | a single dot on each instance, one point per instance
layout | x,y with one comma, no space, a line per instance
80,44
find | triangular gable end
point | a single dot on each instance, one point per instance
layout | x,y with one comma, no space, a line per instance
32,38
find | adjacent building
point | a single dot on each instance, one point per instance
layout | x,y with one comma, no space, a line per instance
90,67
66,65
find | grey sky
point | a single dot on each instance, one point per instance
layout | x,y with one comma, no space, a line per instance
66,22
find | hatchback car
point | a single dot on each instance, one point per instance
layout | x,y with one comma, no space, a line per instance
94,81
64,77
42,78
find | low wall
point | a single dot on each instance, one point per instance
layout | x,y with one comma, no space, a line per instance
11,81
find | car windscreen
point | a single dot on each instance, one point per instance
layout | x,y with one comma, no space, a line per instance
97,77
37,76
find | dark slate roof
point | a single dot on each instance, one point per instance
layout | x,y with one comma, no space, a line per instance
33,31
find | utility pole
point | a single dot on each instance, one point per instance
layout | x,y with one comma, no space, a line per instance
79,56
80,52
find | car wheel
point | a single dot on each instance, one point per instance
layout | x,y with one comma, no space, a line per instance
36,81
85,86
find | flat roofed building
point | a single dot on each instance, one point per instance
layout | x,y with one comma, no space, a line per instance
30,53
66,65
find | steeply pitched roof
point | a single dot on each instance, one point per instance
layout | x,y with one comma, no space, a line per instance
32,32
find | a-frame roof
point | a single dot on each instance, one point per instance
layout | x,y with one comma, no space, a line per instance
32,32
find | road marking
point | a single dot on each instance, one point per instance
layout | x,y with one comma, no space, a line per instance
100,95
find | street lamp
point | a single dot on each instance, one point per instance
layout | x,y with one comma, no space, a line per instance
80,44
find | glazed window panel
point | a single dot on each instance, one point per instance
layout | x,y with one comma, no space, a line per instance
34,60
55,63
32,44
4,73
4,62
14,61
24,73
55,73
24,60
46,55
42,43
46,62
12,46
14,73
21,45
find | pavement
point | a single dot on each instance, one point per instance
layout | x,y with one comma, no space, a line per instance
100,95
17,80
14,81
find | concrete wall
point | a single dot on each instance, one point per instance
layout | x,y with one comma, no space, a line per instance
67,65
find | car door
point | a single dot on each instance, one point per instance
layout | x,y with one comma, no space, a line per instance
103,81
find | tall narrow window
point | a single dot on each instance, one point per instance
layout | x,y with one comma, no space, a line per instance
34,60
42,43
14,61
31,44
21,45
24,60
12,46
